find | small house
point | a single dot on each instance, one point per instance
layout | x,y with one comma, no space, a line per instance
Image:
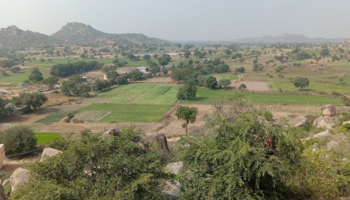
143,69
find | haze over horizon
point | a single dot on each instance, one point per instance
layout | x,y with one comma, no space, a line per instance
182,20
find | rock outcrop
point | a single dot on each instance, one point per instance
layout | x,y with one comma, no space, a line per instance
111,132
49,152
20,176
328,110
299,121
324,122
158,139
172,189
65,120
332,145
2,193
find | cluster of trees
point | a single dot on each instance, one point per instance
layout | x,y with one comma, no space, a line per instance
301,82
6,109
18,139
188,91
62,70
31,101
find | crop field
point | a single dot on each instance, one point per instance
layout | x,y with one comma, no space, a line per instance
44,138
206,96
16,78
56,61
129,113
138,93
225,76
56,117
91,116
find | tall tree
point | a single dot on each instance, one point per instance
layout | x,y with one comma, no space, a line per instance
188,114
35,75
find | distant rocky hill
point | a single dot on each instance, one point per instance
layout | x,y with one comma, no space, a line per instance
287,38
72,33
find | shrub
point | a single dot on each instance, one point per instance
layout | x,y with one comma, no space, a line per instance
18,139
242,87
268,115
70,115
347,126
335,93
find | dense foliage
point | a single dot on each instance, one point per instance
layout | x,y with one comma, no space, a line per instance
18,139
62,70
30,100
75,86
187,91
93,168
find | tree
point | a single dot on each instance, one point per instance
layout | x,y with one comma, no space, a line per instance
120,62
30,100
301,82
18,139
241,158
228,51
324,52
242,87
35,75
132,57
146,57
188,114
240,70
211,82
210,52
51,81
75,86
112,76
187,54
6,109
188,91
7,63
15,69
135,75
122,167
164,60
279,69
224,82
154,67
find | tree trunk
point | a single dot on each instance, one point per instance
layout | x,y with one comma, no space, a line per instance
186,129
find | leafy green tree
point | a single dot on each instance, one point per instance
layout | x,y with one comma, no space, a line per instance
146,57
188,91
119,62
164,60
224,82
154,67
135,75
50,81
122,167
228,51
302,55
15,69
75,86
18,139
188,114
241,158
324,52
99,85
279,69
6,109
210,52
301,82
187,54
242,87
132,57
211,82
112,76
240,70
35,75
30,100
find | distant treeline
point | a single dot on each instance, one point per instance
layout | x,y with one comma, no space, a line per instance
62,70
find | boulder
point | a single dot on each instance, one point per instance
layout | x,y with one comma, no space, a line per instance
49,152
160,139
332,145
324,122
76,121
174,168
65,120
172,189
111,132
323,134
20,176
314,147
328,110
299,121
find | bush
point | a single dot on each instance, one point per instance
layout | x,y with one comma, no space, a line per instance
242,87
70,115
268,116
18,139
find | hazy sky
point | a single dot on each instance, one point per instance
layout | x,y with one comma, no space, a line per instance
184,19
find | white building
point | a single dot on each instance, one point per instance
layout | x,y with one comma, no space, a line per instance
143,69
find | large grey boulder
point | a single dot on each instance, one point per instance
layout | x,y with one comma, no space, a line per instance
323,134
328,110
111,132
299,121
158,139
324,122
2,193
172,189
332,145
19,177
49,152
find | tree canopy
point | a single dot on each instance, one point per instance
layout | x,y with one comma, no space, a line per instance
301,82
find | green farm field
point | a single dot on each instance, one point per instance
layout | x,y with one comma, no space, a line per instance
206,96
44,138
138,93
129,113
56,117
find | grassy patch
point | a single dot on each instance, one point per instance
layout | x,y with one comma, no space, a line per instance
338,63
44,138
91,116
225,76
138,94
206,96
56,117
56,61
129,113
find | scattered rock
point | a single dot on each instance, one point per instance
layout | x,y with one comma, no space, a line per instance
20,176
49,152
324,122
299,121
328,110
76,121
111,132
172,189
65,120
174,168
314,147
160,139
332,145
323,134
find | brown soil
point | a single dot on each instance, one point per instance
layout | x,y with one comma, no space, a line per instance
253,86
